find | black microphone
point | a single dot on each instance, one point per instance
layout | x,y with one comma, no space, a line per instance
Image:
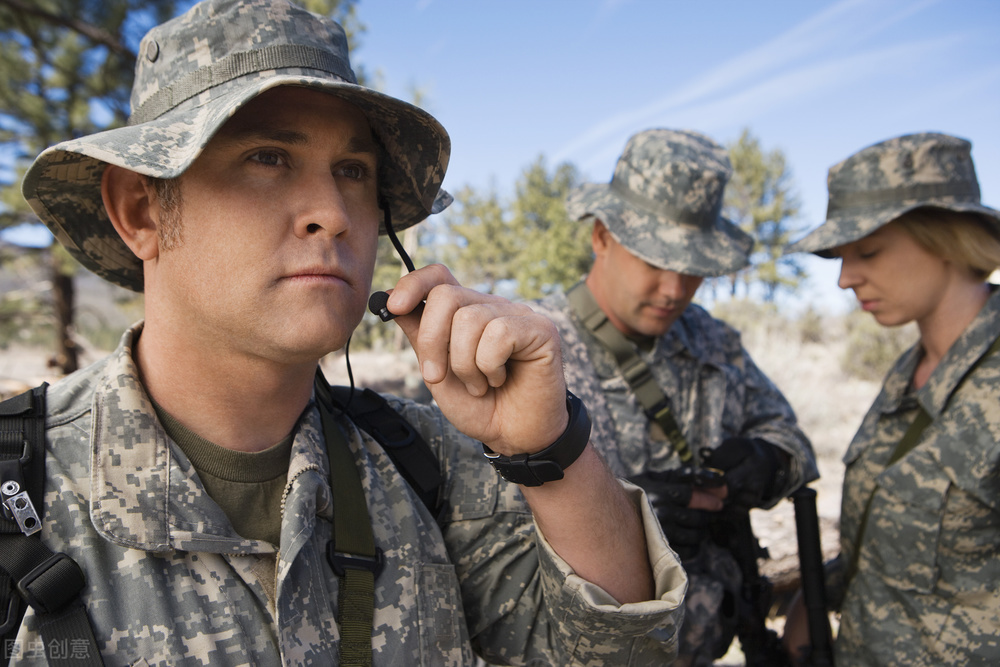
377,305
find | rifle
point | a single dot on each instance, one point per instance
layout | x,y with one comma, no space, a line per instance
761,645
813,584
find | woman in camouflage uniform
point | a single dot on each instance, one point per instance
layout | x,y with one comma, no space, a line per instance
917,579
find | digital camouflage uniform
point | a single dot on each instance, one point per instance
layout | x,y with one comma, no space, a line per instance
927,589
927,586
169,582
714,388
715,391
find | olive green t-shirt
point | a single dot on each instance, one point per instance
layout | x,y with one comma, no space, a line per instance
248,486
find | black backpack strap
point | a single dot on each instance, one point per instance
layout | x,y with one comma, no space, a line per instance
408,450
22,442
29,571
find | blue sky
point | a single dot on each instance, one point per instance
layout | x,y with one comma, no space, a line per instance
572,80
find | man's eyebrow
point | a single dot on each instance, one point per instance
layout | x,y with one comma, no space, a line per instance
246,134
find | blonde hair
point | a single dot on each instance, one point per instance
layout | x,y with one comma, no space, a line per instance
967,239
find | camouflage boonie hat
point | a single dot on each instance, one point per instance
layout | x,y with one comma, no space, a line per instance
192,74
664,204
880,183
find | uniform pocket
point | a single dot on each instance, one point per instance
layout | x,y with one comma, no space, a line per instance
904,528
443,635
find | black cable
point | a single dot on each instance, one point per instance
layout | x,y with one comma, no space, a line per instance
395,240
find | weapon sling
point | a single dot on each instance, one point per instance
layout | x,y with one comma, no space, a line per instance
636,371
352,552
905,445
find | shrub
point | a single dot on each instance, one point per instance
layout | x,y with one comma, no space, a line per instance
872,349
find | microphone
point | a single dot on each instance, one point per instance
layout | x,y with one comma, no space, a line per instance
377,305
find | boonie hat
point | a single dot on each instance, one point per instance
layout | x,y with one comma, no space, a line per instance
882,182
192,74
664,204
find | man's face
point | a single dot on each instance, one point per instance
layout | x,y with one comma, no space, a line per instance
278,231
638,298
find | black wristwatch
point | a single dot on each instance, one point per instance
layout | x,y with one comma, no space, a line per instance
547,465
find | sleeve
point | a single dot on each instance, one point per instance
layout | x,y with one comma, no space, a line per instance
523,604
768,415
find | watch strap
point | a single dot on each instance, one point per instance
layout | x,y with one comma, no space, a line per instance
548,464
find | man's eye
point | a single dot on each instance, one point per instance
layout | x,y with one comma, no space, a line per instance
867,254
268,158
354,171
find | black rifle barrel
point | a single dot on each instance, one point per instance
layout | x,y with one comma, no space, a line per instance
813,583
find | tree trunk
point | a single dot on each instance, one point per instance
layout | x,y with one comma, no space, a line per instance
64,292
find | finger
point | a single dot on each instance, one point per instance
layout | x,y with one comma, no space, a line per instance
468,326
704,500
429,336
412,289
518,334
720,492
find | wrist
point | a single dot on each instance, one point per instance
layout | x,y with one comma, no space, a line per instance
548,464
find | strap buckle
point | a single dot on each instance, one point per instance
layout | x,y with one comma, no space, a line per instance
342,561
16,502
53,584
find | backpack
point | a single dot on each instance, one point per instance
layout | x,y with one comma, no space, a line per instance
30,573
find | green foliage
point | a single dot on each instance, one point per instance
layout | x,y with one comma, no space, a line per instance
872,349
530,241
483,244
555,251
760,199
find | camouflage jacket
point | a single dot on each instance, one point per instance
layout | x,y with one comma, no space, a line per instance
714,388
927,588
169,582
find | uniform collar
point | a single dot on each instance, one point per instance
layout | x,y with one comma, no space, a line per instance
145,494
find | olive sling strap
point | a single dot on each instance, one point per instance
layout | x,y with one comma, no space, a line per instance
352,552
904,447
636,371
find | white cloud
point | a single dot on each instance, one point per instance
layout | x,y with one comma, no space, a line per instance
715,91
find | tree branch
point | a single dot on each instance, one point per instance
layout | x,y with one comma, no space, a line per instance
91,32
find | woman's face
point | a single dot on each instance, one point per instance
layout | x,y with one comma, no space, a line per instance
895,278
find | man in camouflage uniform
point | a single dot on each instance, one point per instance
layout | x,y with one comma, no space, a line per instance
657,233
917,582
188,474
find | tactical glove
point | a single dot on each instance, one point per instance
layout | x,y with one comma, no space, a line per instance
669,492
755,469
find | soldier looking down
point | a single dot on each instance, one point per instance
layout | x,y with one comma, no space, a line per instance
672,391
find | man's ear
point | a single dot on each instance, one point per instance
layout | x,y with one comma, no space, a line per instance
132,209
599,237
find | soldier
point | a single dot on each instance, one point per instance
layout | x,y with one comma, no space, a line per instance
916,582
671,389
187,473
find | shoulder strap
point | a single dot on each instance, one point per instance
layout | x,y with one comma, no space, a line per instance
50,582
904,447
635,371
352,552
408,450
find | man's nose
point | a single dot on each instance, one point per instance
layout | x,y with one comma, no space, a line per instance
322,207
